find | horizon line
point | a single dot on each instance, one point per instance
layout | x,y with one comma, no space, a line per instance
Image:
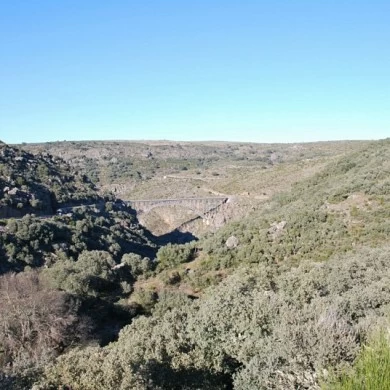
193,141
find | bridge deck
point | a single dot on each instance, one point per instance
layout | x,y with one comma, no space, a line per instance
211,198
198,204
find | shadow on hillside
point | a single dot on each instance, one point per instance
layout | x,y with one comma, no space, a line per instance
176,237
163,376
106,318
173,237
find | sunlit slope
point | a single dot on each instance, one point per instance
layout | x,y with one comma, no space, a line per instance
338,209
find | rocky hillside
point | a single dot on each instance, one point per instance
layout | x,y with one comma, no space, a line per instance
39,183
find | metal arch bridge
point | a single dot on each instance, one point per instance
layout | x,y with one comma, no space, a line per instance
200,206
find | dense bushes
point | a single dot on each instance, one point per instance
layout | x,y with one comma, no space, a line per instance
254,330
92,274
34,242
96,274
170,255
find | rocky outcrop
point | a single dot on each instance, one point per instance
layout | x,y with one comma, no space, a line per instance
276,229
232,242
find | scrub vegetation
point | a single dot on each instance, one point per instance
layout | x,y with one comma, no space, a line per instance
291,292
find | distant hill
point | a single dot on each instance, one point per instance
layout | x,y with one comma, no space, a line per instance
124,165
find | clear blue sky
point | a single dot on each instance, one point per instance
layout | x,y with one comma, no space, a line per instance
262,71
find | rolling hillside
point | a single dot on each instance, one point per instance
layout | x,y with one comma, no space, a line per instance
289,294
251,173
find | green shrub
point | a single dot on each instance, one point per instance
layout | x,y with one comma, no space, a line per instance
169,256
137,265
146,298
371,370
92,274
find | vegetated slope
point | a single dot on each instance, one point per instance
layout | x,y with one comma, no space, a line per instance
62,277
309,283
256,330
39,183
35,242
338,209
